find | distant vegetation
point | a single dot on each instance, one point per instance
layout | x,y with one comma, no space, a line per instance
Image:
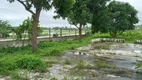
5,29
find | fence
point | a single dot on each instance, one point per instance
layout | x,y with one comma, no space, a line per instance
60,32
52,33
46,35
19,43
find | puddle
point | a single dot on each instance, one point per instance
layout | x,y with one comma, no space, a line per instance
113,77
138,51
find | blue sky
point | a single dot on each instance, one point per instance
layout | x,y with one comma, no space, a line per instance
15,14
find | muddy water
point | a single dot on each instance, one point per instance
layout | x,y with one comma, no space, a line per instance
125,66
125,61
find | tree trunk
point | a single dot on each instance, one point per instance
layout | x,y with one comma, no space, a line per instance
113,34
80,32
34,30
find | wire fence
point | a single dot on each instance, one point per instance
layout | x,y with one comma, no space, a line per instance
50,32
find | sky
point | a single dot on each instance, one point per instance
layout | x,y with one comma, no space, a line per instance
15,13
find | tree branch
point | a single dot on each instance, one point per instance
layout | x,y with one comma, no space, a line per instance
77,26
28,9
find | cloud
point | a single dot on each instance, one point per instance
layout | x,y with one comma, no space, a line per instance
15,14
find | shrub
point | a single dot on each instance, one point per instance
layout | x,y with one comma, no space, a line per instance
13,62
67,62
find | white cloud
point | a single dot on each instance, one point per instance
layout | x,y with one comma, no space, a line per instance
15,14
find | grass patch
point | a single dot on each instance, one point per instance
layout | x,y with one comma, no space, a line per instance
138,65
102,63
54,78
12,62
17,75
84,65
67,62
101,45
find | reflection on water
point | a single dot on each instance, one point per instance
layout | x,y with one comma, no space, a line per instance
138,51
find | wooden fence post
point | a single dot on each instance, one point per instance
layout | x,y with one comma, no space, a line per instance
75,32
49,33
60,32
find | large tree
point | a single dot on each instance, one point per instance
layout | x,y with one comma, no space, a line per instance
5,28
79,15
35,6
123,17
100,15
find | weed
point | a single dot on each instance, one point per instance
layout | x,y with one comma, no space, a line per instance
100,45
13,62
84,65
112,53
138,65
54,78
17,75
67,62
104,64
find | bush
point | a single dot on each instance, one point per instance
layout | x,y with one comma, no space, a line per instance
13,62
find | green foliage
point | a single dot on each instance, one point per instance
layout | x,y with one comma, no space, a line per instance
26,26
44,4
84,65
15,50
123,17
18,32
138,65
104,64
54,78
18,75
19,61
63,7
5,28
79,13
100,18
67,62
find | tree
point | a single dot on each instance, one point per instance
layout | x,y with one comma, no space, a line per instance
5,28
35,6
100,17
19,31
80,15
26,27
63,8
123,17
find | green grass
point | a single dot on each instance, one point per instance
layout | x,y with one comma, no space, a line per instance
67,62
84,65
138,65
104,64
12,62
129,36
